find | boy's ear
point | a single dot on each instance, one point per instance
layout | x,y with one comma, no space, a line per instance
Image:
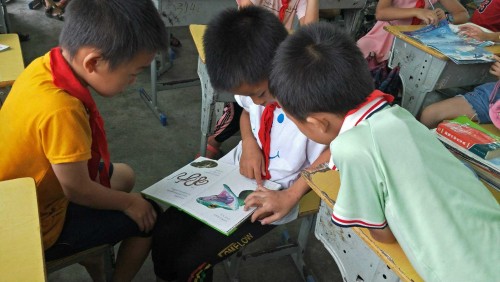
325,122
92,61
318,122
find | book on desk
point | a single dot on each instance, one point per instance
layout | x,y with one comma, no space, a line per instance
211,191
445,39
460,137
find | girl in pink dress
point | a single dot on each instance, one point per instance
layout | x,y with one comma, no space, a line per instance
406,12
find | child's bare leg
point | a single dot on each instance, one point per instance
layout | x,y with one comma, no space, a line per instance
95,267
131,256
451,108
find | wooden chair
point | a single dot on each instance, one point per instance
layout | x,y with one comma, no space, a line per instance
21,250
212,101
294,247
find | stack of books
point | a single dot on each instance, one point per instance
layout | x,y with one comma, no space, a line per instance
473,144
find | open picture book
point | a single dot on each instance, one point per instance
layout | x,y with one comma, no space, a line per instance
211,191
460,49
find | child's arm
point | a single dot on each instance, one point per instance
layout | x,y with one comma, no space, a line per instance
80,189
312,12
386,12
274,205
244,3
252,163
475,32
456,10
383,235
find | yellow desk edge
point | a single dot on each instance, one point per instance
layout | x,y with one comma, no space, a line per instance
12,59
397,30
21,251
197,31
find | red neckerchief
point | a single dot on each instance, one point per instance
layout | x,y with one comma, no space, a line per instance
66,80
284,6
420,4
374,102
266,122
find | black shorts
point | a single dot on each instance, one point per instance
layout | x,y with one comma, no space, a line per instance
85,228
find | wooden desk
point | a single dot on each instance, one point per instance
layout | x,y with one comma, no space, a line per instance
209,96
11,60
424,69
354,249
21,250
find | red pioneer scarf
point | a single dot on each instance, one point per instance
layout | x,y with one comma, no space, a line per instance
420,4
266,122
284,6
65,79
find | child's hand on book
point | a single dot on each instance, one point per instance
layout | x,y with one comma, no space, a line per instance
252,163
270,205
440,14
427,16
472,32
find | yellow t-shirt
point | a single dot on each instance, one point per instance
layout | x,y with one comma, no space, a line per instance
41,125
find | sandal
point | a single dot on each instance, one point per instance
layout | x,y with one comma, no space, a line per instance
174,42
212,153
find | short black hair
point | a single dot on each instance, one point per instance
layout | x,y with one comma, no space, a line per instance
319,68
240,45
119,29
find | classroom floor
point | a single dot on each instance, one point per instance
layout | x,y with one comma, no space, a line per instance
136,137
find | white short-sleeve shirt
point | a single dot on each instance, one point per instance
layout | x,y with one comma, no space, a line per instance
291,151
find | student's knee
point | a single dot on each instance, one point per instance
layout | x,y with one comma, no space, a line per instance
450,108
123,177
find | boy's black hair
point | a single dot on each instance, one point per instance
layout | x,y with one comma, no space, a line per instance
240,45
319,68
119,29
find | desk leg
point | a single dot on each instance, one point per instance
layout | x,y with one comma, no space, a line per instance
356,261
419,73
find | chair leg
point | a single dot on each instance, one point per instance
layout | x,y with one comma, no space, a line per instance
109,263
232,265
306,226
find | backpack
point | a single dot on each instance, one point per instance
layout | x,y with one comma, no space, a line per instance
385,79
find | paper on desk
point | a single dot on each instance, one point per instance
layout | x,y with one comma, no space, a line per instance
3,47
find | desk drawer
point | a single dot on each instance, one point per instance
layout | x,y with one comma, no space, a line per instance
356,261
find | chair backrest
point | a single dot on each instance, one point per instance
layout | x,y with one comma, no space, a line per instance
21,251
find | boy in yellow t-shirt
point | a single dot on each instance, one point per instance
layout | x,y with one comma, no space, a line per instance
52,131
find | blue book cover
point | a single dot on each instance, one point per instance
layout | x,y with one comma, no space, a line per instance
459,49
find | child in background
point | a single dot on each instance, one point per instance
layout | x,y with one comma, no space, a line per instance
306,11
405,12
475,104
488,15
396,178
239,47
52,131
